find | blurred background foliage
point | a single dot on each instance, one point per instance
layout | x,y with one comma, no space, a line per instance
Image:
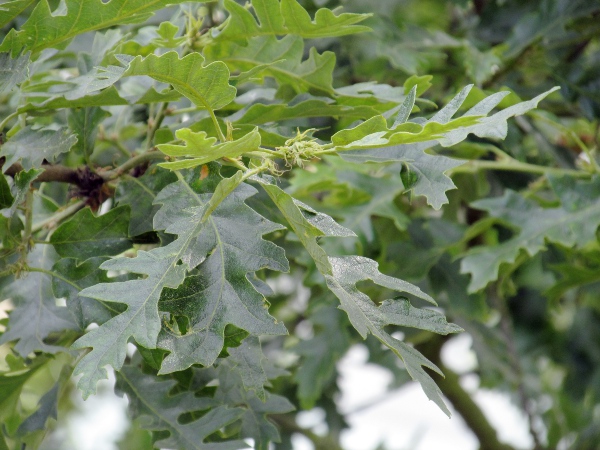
535,329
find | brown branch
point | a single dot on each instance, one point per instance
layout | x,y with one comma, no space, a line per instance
460,399
56,172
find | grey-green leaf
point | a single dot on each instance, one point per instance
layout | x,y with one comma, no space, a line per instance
150,399
31,147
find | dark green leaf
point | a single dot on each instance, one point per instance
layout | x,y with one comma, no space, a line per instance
85,123
86,236
287,17
139,194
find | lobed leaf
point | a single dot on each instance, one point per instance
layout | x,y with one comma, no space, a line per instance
411,140
342,274
150,399
47,29
281,59
207,86
287,17
219,293
36,315
31,147
12,70
573,223
86,236
202,149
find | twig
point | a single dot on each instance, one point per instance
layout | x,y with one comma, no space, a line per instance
130,164
59,216
154,124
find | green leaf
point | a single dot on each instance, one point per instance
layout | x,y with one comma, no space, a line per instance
22,182
6,197
48,409
203,149
164,266
220,293
73,276
573,223
12,70
368,318
86,236
9,10
36,315
342,274
106,97
428,170
281,59
306,223
441,127
247,360
139,194
149,398
183,214
287,17
43,29
84,123
207,86
31,147
320,353
382,192
406,108
549,20
259,113
233,391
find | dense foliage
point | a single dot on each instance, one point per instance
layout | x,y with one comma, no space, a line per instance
165,161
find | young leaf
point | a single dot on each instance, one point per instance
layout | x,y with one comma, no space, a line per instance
32,147
573,223
86,236
441,128
287,17
149,398
203,149
431,180
43,29
220,293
